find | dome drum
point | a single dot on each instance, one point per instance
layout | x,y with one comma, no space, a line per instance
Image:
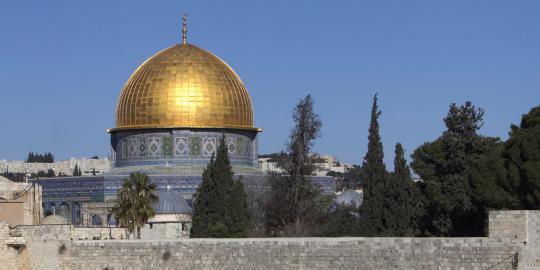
182,147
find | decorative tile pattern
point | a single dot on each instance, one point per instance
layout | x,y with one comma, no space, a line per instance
181,147
154,147
239,147
195,146
132,148
142,148
124,149
167,146
247,148
231,147
209,146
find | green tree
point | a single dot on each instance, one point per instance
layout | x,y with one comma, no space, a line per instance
293,199
445,167
77,171
490,187
374,211
352,179
220,204
15,177
342,221
522,157
401,197
40,158
134,202
50,173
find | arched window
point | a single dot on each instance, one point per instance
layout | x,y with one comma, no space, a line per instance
76,214
96,220
63,210
50,209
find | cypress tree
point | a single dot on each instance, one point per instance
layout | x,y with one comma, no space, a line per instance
239,213
401,197
375,180
220,206
77,171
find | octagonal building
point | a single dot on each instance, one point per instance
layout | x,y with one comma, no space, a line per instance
170,116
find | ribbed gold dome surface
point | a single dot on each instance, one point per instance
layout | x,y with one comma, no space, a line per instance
184,86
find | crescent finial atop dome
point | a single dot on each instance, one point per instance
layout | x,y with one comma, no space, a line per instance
184,28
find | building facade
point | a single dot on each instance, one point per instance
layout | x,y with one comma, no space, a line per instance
171,115
20,203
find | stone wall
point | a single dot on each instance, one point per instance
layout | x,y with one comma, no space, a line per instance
509,224
20,203
64,166
530,255
41,247
69,232
291,253
8,254
510,233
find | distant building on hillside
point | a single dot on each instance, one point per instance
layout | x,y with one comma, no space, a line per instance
88,166
323,165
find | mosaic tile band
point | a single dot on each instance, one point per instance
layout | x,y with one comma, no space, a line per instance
182,146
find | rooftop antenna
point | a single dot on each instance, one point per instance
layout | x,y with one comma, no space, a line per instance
184,28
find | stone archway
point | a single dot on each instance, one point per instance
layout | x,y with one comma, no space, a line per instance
76,213
96,220
63,210
49,209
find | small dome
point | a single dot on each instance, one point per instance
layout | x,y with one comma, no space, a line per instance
351,197
55,219
171,202
184,86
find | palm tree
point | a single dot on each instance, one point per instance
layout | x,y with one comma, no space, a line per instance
134,202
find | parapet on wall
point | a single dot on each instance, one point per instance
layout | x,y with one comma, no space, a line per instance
510,224
70,232
510,233
39,247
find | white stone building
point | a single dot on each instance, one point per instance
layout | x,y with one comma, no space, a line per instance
325,164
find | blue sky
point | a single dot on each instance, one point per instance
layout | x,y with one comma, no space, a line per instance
63,64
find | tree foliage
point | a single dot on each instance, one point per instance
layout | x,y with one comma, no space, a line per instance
15,177
42,174
77,171
522,159
135,202
374,210
220,204
341,221
40,158
352,179
446,167
293,200
401,198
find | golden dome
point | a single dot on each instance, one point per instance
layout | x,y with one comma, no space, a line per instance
184,87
